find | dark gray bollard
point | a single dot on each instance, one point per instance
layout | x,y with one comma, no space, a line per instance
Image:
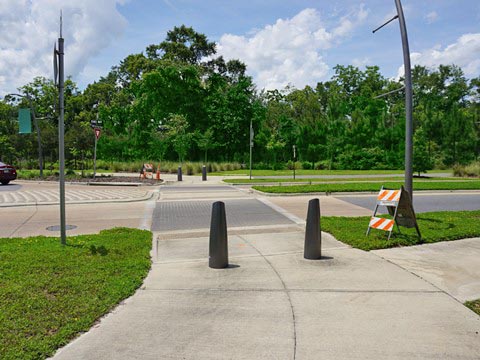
313,236
179,174
204,173
218,254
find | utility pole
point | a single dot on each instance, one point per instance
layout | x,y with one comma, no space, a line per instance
408,97
59,56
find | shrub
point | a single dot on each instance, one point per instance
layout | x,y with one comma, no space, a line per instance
322,165
472,170
188,169
306,165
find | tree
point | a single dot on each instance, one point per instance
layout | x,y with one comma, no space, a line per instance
205,141
421,158
184,45
178,135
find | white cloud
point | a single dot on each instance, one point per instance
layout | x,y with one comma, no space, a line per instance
464,53
431,17
30,28
361,62
289,51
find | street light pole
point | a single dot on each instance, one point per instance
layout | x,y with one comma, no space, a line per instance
408,97
408,102
61,133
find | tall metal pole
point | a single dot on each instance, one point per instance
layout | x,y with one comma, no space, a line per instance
61,132
251,148
408,102
95,155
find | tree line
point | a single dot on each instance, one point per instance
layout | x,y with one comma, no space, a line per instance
177,100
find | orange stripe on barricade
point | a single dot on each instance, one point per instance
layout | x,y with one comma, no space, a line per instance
395,196
381,224
382,194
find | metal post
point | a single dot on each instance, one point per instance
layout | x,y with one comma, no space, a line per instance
204,173
294,157
408,97
95,155
61,132
408,102
251,148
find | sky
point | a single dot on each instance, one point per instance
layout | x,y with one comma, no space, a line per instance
283,42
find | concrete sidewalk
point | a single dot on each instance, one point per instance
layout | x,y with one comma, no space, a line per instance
273,304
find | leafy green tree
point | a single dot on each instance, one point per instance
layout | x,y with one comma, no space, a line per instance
183,44
421,158
179,135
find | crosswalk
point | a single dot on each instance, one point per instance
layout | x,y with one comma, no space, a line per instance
26,197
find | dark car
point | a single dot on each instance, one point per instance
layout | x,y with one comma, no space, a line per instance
7,173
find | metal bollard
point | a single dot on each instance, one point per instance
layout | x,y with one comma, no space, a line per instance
179,174
218,252
313,236
204,173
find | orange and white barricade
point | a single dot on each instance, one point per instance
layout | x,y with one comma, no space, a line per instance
147,168
399,206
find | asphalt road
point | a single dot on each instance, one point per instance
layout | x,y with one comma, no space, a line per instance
424,202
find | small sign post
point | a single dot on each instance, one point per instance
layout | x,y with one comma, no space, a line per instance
252,134
399,205
294,159
97,132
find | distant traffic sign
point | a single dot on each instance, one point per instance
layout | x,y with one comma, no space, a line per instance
97,132
96,124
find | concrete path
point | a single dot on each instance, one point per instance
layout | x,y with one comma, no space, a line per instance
273,304
453,266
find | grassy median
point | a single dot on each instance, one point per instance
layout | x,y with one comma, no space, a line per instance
434,227
369,186
315,181
287,172
49,292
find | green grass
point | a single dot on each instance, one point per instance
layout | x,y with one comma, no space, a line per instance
370,186
49,292
326,180
474,305
434,227
315,172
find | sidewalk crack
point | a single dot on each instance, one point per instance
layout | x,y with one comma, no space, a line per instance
287,292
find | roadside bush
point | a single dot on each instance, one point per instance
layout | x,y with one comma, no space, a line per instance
188,168
322,165
472,170
306,165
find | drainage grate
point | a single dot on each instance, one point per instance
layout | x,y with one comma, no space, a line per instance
57,227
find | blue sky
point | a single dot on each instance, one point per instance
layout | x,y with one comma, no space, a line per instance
282,42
